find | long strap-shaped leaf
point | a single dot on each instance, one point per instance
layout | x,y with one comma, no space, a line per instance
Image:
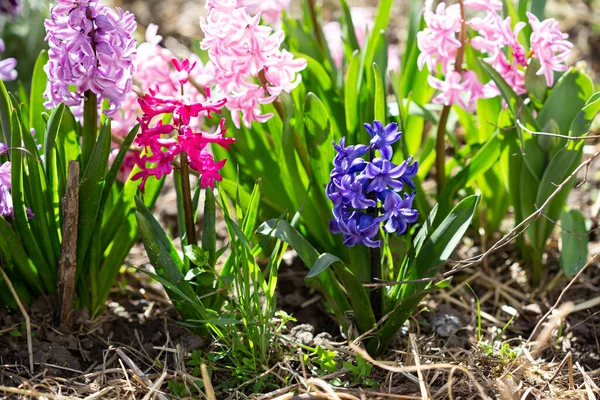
20,221
90,193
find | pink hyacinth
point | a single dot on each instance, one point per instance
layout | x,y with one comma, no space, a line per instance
161,142
250,69
463,90
549,46
91,48
438,42
497,40
270,10
7,66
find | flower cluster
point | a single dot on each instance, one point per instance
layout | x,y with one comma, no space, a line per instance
7,66
162,142
497,39
250,69
154,70
368,194
363,21
91,48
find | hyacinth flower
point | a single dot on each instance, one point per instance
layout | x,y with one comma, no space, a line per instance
250,68
154,70
7,66
451,28
92,50
163,142
370,195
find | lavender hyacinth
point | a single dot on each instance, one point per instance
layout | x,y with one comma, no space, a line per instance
91,48
359,189
10,7
7,66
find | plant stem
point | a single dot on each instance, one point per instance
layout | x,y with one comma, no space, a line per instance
440,143
190,227
313,17
90,126
375,257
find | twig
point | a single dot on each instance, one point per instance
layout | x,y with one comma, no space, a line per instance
25,317
208,388
67,263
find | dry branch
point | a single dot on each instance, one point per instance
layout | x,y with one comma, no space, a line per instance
67,263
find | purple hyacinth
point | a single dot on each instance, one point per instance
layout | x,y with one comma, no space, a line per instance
365,194
7,66
6,204
382,137
91,48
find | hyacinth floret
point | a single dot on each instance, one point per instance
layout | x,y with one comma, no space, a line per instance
161,142
370,194
91,48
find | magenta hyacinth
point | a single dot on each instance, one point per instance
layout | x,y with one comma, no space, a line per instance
162,142
249,66
91,48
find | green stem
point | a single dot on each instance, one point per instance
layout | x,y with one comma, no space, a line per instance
375,257
440,144
190,227
440,150
90,126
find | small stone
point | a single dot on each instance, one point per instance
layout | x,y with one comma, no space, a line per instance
323,339
445,325
303,334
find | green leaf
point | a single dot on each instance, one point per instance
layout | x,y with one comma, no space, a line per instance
90,193
516,106
38,87
534,83
5,114
574,237
537,8
380,104
566,100
197,255
326,281
209,232
324,261
21,221
12,251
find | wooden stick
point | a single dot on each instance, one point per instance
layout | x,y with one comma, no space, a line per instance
67,263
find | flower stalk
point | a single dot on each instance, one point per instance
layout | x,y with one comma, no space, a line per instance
90,125
440,143
375,255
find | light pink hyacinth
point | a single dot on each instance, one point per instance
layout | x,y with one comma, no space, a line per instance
496,40
270,10
439,42
549,46
250,69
